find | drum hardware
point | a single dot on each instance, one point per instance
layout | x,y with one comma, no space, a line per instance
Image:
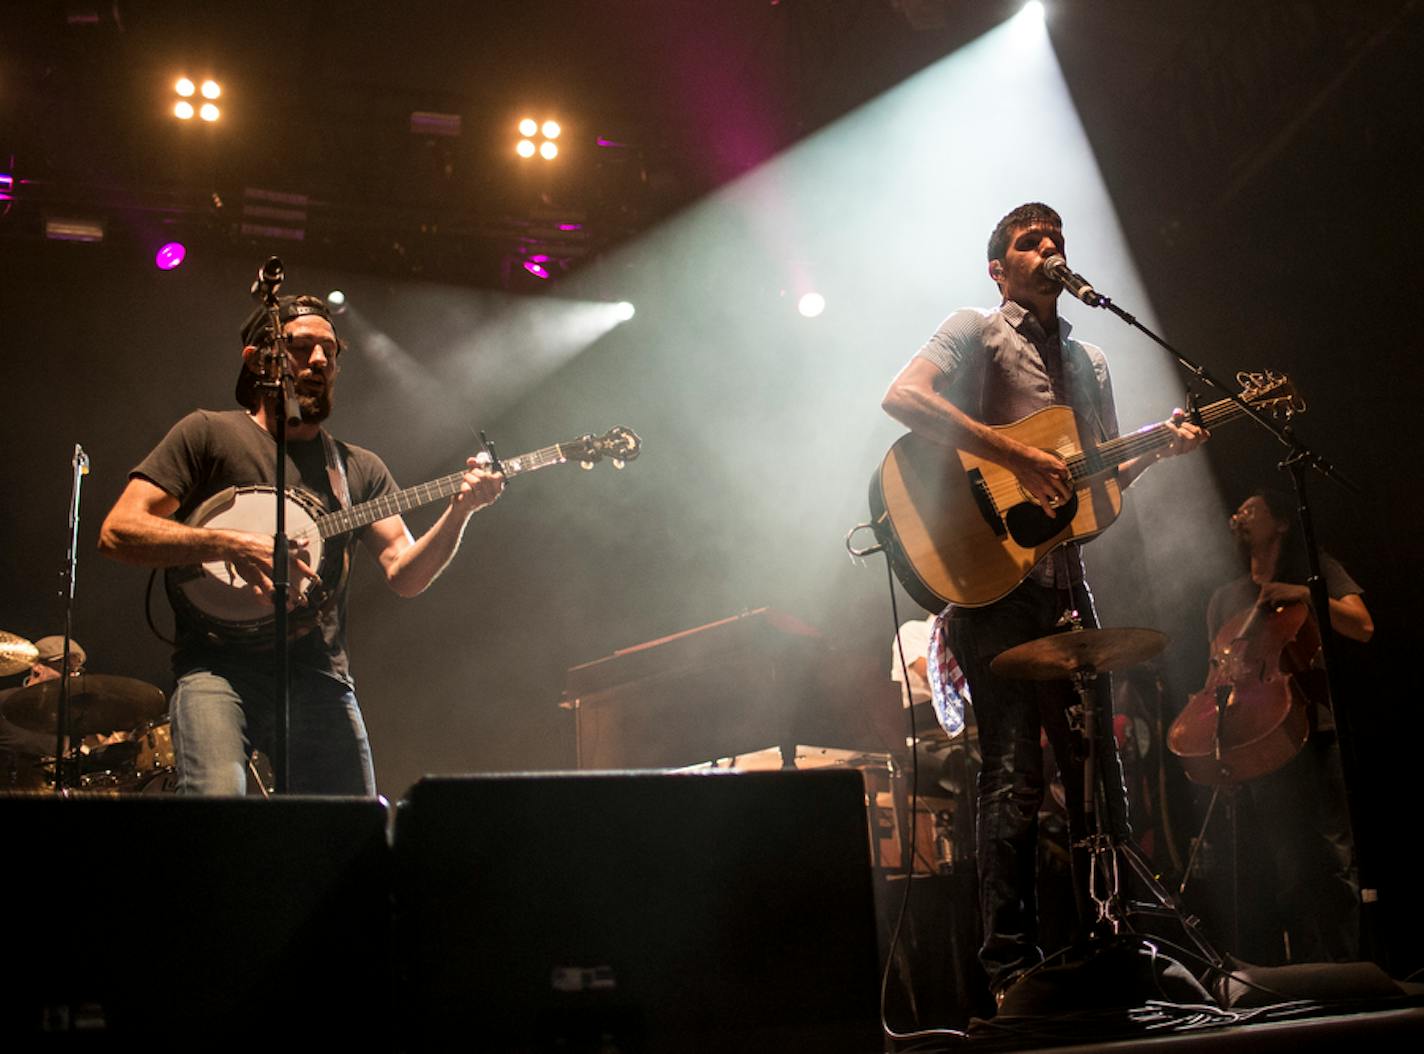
140,761
1079,655
16,654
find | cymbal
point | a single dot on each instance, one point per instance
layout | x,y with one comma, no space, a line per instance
97,703
1062,654
16,654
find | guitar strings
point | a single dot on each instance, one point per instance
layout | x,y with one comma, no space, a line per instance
1109,455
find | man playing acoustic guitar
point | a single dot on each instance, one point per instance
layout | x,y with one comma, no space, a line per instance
981,369
222,705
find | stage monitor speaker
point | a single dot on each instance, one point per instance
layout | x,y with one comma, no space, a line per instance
155,922
647,912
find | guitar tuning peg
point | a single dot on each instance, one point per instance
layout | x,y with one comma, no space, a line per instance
618,462
587,466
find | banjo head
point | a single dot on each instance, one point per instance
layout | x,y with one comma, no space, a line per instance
218,596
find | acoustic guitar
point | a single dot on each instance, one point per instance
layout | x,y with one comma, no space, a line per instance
217,600
960,529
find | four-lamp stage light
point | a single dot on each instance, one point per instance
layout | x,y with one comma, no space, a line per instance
186,108
547,132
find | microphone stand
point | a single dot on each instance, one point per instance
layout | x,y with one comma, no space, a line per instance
80,464
278,391
1298,458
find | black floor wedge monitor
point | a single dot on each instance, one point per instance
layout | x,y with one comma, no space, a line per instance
639,911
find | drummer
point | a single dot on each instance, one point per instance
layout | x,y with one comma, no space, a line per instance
18,745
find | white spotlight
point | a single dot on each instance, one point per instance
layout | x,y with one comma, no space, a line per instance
1034,9
336,301
623,311
811,304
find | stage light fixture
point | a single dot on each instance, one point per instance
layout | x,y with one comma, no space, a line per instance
186,89
336,301
7,186
1034,9
169,256
546,132
623,311
811,304
536,268
73,229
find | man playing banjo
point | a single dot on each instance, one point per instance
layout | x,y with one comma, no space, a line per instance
222,706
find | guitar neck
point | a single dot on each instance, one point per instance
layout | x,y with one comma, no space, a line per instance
343,521
1145,440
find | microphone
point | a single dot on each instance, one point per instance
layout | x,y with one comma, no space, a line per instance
1057,268
269,280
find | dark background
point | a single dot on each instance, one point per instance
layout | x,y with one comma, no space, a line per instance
1262,159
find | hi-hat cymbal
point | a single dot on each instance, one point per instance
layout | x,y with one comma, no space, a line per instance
1062,654
16,654
97,703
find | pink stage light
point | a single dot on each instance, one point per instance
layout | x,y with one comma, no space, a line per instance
169,256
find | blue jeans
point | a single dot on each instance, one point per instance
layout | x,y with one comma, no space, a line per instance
1009,714
219,716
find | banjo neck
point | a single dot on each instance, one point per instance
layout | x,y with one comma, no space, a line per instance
344,521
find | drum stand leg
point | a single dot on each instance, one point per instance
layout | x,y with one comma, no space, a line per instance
256,775
1108,851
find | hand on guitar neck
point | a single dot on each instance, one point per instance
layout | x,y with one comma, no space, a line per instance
481,486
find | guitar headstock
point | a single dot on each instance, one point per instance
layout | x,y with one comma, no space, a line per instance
1271,391
619,444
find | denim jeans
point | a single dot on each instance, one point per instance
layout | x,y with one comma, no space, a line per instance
1009,714
219,716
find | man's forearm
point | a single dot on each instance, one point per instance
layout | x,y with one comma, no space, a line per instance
152,541
423,561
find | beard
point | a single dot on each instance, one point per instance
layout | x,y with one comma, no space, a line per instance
315,403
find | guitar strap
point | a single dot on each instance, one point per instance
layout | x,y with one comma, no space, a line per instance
336,470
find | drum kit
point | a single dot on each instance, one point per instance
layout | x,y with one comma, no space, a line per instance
119,738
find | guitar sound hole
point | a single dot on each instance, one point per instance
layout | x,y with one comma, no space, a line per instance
1030,526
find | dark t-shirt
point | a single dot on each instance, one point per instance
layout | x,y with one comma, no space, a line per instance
1242,593
209,451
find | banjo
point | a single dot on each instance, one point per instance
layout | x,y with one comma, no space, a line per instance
216,600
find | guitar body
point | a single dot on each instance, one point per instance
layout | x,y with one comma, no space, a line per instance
960,529
216,598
